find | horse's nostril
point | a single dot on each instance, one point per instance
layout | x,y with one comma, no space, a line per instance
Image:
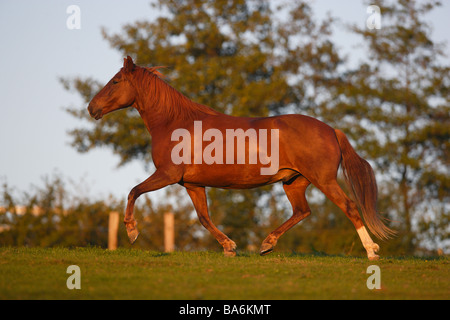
90,109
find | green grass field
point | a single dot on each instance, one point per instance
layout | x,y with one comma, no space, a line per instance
137,274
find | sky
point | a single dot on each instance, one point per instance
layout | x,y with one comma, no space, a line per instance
37,48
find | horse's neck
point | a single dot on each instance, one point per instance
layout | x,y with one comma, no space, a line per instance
161,106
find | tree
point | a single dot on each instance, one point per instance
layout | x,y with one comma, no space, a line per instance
396,108
52,217
55,216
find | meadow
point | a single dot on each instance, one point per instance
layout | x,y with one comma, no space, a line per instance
38,273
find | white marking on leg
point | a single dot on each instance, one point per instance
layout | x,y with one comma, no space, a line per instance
364,236
367,242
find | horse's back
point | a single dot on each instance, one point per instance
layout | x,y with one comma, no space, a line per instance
301,138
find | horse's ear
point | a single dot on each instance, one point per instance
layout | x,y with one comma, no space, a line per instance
128,64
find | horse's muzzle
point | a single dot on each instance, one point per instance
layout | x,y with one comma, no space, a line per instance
94,111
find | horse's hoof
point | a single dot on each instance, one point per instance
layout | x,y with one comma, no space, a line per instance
133,235
373,257
266,248
229,248
229,253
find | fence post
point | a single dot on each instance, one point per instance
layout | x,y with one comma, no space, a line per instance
112,230
169,232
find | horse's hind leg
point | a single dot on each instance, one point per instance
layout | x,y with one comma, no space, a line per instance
295,192
198,197
334,192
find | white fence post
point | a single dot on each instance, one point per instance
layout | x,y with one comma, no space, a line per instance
112,230
169,232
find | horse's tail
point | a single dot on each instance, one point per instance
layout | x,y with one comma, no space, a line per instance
360,179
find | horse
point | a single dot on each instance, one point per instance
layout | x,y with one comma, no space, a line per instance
303,151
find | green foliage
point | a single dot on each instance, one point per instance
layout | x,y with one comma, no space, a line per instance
397,111
54,217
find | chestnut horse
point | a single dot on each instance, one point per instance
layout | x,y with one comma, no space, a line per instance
308,151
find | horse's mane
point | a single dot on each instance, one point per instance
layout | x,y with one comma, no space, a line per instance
165,102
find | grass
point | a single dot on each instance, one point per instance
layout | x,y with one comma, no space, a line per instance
36,273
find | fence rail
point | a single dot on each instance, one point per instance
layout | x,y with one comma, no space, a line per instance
35,210
113,225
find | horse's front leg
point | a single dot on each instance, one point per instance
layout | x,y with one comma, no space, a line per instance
157,180
198,197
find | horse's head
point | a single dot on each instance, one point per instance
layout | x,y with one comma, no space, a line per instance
118,93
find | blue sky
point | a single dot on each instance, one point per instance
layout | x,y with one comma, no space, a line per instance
37,48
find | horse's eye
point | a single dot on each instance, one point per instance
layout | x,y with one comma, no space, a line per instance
115,82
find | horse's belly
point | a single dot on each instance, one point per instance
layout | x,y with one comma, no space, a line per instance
235,177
